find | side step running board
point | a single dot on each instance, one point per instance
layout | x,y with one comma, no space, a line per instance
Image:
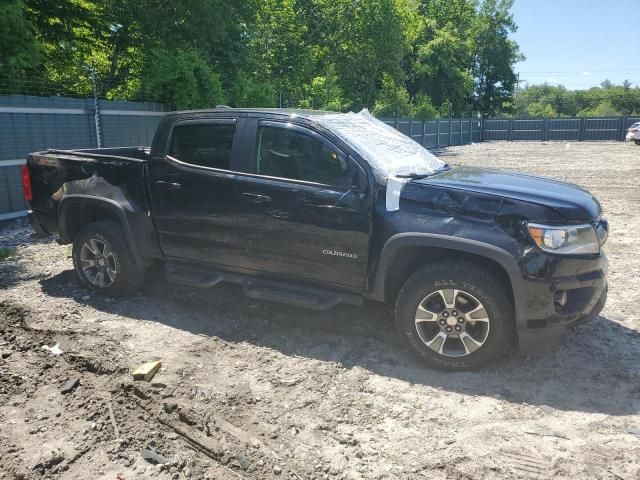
194,281
297,296
262,289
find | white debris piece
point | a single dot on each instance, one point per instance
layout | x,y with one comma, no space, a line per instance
54,350
394,189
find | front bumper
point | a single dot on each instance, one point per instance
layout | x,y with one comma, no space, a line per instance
542,319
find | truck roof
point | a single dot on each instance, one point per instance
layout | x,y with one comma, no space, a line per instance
299,112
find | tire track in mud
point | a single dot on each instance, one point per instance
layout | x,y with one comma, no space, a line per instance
525,464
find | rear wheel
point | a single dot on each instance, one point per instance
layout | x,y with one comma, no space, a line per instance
103,260
637,142
455,315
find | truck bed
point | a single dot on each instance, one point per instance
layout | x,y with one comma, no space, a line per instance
117,175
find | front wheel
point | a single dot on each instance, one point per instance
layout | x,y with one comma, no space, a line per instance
455,315
103,260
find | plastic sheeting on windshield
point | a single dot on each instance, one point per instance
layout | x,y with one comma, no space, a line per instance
389,152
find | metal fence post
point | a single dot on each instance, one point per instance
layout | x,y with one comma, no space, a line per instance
481,127
510,130
424,133
450,131
461,139
581,132
623,127
437,132
545,132
96,109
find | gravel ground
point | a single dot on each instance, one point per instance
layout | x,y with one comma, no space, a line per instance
264,391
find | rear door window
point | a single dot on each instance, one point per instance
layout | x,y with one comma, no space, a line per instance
203,144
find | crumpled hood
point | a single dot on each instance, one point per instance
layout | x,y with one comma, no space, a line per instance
574,203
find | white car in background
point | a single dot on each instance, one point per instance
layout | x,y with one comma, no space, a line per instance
633,133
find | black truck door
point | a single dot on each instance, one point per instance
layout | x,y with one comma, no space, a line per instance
308,220
192,189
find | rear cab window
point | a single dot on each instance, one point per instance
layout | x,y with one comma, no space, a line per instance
203,143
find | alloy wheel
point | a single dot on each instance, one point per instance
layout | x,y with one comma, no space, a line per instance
452,322
98,263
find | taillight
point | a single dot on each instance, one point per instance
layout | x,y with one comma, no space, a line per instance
26,183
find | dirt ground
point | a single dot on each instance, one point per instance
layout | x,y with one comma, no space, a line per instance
264,391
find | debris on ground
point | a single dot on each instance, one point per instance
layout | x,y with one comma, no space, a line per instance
55,350
153,457
112,418
70,385
146,371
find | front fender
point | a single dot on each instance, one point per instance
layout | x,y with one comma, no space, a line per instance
481,249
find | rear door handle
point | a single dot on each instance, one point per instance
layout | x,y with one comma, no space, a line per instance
256,197
168,185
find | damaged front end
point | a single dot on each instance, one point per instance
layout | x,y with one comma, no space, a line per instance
557,272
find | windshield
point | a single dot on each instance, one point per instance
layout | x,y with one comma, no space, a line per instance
388,151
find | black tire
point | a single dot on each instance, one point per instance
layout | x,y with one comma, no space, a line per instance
637,142
473,283
128,276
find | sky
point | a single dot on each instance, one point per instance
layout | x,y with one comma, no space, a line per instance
578,44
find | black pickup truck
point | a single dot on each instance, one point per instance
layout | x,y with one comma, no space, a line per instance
317,208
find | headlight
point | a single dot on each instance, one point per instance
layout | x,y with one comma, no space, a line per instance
572,239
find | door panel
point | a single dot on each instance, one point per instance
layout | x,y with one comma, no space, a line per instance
193,192
297,227
195,221
309,232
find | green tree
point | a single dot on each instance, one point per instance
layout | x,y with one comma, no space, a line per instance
19,49
603,109
275,44
360,41
623,98
180,78
541,110
423,108
393,99
440,60
494,56
607,100
419,57
248,92
323,92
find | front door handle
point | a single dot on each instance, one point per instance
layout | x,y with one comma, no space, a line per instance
169,185
256,197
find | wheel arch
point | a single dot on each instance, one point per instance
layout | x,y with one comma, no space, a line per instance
76,211
405,253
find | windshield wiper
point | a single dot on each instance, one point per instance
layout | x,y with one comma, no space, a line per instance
419,176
